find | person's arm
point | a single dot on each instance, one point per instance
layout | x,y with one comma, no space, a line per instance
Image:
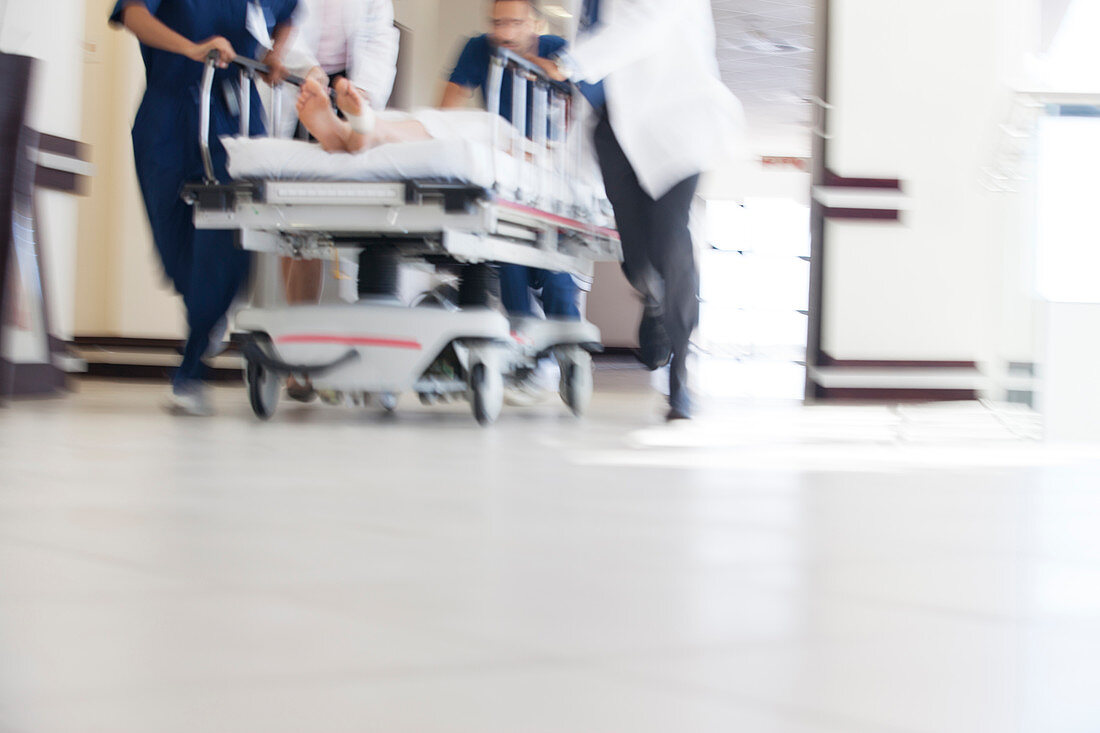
155,34
373,51
298,58
455,95
280,40
638,26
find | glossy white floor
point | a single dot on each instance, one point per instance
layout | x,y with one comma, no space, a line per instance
767,569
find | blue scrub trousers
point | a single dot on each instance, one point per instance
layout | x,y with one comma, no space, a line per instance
205,267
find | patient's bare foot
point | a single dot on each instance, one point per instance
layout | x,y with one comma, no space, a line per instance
349,100
316,114
356,107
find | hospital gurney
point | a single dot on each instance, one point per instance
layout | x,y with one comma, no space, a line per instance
451,203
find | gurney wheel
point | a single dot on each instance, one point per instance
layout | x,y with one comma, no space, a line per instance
486,393
263,389
575,387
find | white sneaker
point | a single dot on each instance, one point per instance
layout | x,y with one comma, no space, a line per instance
525,392
191,400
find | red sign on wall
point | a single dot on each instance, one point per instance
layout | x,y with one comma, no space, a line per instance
781,161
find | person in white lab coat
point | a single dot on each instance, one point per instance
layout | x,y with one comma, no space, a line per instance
355,39
335,39
662,117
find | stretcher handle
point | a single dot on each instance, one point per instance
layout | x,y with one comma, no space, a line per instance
546,92
259,68
255,67
248,67
517,63
515,60
204,116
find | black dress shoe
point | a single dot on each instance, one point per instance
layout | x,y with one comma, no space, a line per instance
677,413
654,348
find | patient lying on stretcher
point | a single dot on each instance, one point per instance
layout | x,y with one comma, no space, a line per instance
364,129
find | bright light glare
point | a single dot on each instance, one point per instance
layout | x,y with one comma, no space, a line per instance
558,11
1069,187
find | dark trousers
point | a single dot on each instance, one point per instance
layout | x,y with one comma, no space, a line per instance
658,256
557,293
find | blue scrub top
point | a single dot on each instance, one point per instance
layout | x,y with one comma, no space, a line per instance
472,69
166,127
596,94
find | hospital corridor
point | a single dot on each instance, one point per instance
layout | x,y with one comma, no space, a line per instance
549,366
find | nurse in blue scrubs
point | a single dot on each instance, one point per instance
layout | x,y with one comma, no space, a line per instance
205,267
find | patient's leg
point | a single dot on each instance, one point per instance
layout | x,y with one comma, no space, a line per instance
352,104
336,135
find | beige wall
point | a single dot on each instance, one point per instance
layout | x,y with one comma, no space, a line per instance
119,287
438,29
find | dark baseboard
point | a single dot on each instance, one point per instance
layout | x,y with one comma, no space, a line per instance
615,352
152,373
141,344
879,394
824,360
893,395
133,367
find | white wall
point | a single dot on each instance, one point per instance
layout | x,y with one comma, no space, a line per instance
919,90
52,31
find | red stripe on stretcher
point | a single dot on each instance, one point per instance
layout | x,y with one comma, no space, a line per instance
571,223
312,338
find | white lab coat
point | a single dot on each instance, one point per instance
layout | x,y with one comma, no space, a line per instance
668,107
372,43
372,53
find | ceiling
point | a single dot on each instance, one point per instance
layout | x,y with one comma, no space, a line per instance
765,54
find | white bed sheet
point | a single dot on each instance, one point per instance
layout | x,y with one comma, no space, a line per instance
452,160
294,160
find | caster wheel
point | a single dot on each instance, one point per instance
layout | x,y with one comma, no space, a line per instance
263,389
575,387
388,401
486,393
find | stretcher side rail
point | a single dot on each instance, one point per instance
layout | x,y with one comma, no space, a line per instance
533,221
541,137
249,69
225,197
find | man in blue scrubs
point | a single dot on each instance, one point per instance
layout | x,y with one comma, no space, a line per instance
515,28
205,267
